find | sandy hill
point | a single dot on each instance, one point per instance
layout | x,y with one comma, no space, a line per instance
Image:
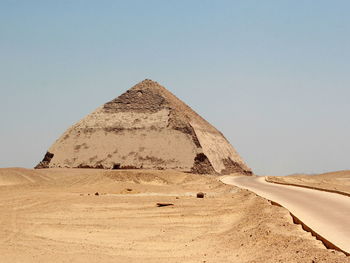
147,127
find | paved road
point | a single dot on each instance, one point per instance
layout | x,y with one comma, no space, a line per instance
328,214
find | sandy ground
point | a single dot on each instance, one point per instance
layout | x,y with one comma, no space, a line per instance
327,214
53,216
338,181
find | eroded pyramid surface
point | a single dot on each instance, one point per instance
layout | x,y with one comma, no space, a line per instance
147,127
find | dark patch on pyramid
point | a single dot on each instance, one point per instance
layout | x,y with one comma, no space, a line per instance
139,100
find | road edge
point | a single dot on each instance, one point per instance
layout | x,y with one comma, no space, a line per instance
296,220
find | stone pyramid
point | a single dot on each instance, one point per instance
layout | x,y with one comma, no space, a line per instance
147,127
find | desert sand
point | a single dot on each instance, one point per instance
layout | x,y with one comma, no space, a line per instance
53,215
335,181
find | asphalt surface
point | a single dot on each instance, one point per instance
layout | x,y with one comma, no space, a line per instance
328,214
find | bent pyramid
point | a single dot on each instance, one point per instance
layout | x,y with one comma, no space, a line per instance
146,127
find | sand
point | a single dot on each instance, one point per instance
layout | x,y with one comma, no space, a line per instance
53,215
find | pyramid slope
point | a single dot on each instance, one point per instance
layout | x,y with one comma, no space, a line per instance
146,127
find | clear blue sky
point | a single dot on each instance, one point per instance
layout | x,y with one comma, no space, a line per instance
273,76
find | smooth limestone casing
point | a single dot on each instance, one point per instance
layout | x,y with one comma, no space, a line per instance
216,148
126,138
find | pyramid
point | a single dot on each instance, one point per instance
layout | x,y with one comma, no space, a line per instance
147,127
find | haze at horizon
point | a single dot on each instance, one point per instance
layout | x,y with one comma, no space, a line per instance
273,76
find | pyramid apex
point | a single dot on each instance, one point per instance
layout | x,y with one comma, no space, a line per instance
147,83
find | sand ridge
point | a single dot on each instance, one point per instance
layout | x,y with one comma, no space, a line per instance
338,181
